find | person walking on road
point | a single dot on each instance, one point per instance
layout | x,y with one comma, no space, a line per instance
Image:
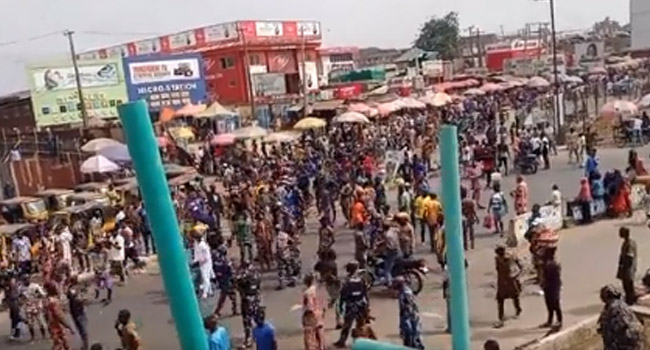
627,265
410,327
354,297
508,285
551,286
56,321
126,330
218,338
618,326
77,305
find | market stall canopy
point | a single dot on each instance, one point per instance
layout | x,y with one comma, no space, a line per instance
597,70
182,132
98,164
359,107
620,108
282,137
474,92
410,102
438,99
491,87
538,82
215,110
250,132
352,117
223,139
190,109
117,153
93,146
328,105
572,79
387,108
382,90
310,123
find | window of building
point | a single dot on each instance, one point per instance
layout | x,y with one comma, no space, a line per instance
227,62
341,57
254,59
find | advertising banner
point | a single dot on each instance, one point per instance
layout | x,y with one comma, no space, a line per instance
166,81
590,54
268,28
54,91
269,84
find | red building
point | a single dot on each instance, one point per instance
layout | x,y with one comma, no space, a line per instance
497,54
274,48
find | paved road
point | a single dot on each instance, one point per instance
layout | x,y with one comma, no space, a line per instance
588,255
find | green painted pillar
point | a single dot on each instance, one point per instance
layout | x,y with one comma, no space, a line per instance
174,267
454,237
367,344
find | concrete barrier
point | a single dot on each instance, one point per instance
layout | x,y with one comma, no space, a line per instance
553,218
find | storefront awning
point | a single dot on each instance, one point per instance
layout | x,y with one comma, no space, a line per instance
329,105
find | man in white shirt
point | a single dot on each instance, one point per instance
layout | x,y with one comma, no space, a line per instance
203,260
116,254
21,248
637,130
64,239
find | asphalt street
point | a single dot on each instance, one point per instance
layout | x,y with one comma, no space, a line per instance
588,256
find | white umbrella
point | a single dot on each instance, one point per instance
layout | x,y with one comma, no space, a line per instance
95,145
351,117
118,153
644,102
250,132
538,82
282,137
98,164
474,91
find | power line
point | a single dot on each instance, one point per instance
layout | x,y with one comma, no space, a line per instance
89,32
33,38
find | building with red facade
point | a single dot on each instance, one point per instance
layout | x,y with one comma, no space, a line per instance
275,50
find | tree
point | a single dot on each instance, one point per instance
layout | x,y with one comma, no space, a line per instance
607,27
440,35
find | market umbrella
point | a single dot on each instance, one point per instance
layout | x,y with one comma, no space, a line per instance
572,79
190,109
644,102
619,108
387,108
491,87
117,153
351,117
95,145
359,107
441,99
310,123
282,136
223,139
98,164
410,102
474,92
597,70
250,132
538,82
215,110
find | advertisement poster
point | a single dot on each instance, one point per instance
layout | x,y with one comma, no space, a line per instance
269,29
269,84
282,62
169,81
590,54
54,91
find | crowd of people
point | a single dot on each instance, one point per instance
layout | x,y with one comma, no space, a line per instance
252,222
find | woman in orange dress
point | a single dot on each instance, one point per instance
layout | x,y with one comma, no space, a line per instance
312,319
56,321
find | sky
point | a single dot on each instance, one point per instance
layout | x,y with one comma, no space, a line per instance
381,23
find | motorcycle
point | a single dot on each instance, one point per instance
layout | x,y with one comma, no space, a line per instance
413,272
527,164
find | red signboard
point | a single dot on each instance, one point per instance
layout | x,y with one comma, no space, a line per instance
255,32
282,62
348,91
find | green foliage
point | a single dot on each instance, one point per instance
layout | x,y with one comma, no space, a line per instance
440,35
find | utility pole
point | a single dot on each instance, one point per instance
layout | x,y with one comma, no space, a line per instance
479,49
73,56
556,83
247,75
470,29
305,96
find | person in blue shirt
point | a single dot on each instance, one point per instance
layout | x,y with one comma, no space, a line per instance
591,165
218,338
264,332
